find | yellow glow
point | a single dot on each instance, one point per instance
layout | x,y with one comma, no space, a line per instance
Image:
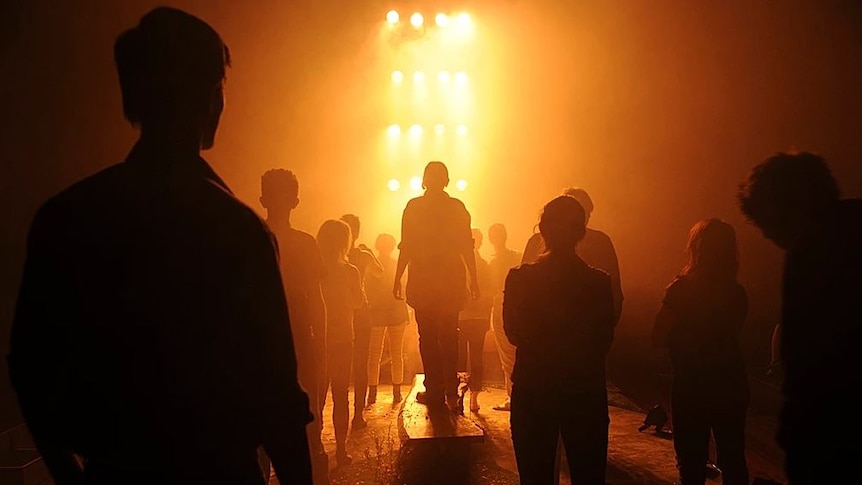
461,130
397,77
461,78
415,130
439,128
418,77
393,185
392,17
416,20
461,185
393,130
416,183
442,20
444,76
464,20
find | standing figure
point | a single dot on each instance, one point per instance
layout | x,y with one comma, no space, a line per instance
301,270
361,257
343,294
474,321
503,260
389,319
559,314
795,201
437,245
700,323
596,249
151,341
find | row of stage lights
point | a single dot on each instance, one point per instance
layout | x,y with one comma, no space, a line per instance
395,131
445,77
416,184
417,20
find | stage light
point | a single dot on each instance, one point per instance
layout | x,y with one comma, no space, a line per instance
418,77
416,183
439,128
444,77
464,20
397,77
392,17
461,130
416,20
461,78
442,20
393,130
393,185
461,185
415,130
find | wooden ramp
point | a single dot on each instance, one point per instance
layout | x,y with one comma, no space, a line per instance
416,424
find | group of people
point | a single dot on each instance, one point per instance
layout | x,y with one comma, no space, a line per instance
164,333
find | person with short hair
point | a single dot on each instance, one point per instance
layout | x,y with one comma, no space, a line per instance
151,336
474,321
795,201
503,260
558,312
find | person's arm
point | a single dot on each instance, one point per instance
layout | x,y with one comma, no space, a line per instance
469,256
514,316
665,320
607,316
405,250
374,267
316,304
357,291
616,283
37,355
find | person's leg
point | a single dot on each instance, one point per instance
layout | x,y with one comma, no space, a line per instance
375,353
534,436
361,342
476,351
429,350
691,434
584,435
395,335
463,350
728,429
505,350
448,341
340,356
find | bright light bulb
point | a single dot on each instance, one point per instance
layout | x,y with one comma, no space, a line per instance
439,128
461,185
416,20
418,77
444,76
461,78
392,17
393,185
461,130
393,130
397,77
415,130
416,183
442,20
464,19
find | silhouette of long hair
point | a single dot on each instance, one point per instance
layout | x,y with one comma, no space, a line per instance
333,239
562,224
712,250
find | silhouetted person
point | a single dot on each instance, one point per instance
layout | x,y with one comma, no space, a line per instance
503,260
699,323
474,321
559,313
795,202
343,294
389,319
302,269
361,257
152,336
437,245
596,249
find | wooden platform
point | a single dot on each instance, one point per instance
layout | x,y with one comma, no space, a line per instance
416,424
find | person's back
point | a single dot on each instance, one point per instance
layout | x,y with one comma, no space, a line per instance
342,293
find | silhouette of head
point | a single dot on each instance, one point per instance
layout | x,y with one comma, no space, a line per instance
352,220
497,235
583,197
712,250
786,194
436,176
279,190
385,244
478,238
172,69
333,239
562,224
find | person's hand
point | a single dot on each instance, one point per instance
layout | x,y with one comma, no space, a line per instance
396,291
474,289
